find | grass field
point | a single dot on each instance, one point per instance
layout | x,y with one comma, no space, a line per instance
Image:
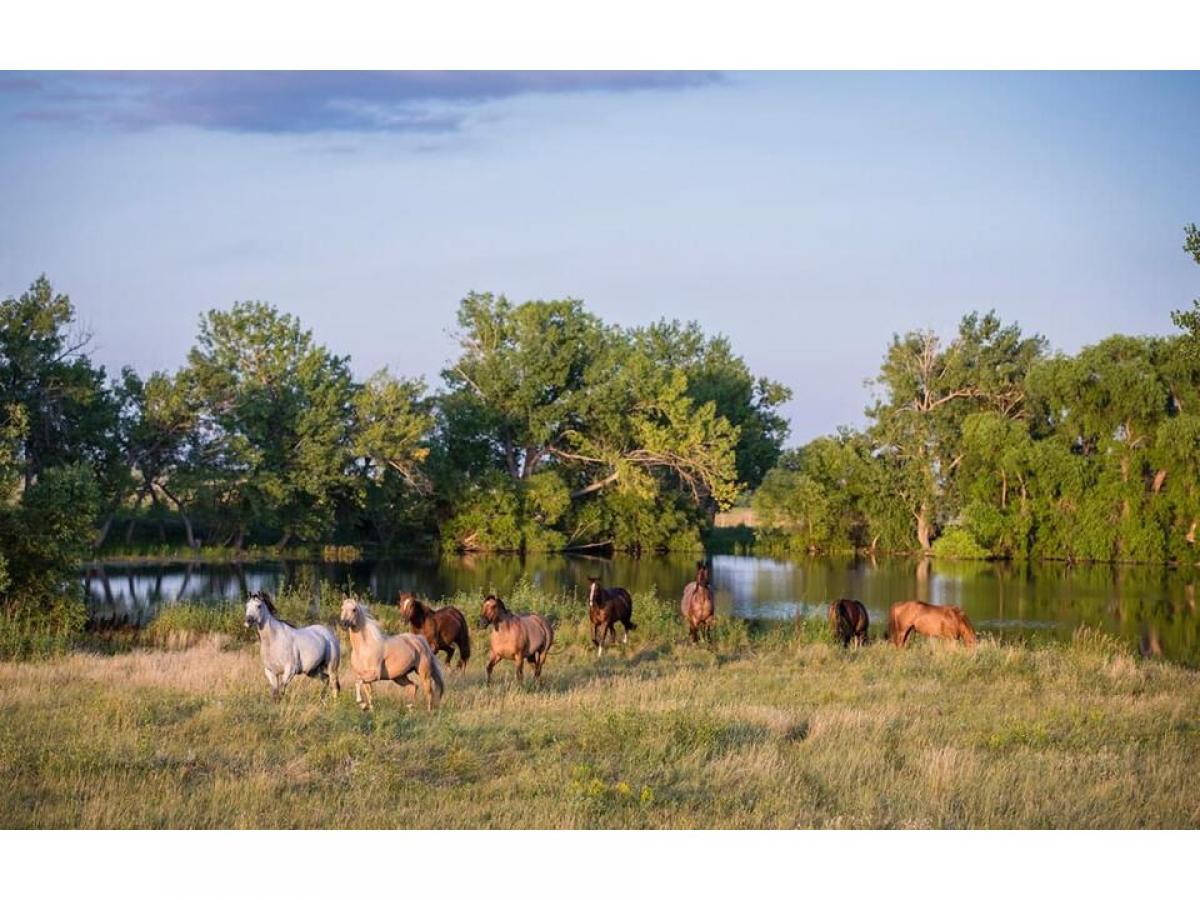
771,727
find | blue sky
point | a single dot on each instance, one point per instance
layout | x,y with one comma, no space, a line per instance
807,215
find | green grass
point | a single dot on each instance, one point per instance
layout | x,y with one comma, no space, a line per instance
773,726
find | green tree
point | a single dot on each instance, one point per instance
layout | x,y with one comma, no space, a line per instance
545,387
274,414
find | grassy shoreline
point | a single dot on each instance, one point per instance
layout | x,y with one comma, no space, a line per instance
770,727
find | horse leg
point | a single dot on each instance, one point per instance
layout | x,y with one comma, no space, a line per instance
610,633
492,660
520,666
538,662
274,683
449,655
369,694
905,636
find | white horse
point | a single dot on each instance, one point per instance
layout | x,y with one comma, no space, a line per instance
375,656
288,651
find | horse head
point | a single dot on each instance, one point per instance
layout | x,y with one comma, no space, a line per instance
593,590
258,608
407,603
351,614
493,609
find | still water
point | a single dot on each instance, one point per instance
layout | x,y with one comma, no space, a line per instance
1152,609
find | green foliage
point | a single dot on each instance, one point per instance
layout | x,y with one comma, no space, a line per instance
42,540
1094,456
957,543
626,423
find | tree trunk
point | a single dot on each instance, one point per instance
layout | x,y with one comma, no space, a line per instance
924,528
1159,478
98,542
284,540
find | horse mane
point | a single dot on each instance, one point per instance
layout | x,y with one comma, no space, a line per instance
370,625
266,601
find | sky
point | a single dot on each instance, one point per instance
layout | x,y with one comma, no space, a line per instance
807,216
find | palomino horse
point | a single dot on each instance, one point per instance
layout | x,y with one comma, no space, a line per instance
288,651
929,620
443,629
607,607
697,604
375,656
520,637
849,621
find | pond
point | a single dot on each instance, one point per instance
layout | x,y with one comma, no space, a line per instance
1150,608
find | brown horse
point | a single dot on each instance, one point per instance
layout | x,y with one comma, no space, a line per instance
375,656
520,637
607,607
697,605
932,621
849,621
443,629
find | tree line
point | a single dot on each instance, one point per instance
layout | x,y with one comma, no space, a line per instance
990,445
552,429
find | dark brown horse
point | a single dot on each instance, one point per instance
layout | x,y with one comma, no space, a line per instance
521,637
443,629
697,605
607,607
929,620
849,621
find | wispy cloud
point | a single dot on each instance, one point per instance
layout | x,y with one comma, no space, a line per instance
299,102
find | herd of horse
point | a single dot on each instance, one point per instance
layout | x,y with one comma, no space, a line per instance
288,650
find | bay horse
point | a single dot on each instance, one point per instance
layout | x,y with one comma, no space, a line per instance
932,621
520,637
607,607
288,651
376,656
443,629
849,621
697,605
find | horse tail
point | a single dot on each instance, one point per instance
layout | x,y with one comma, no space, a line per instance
893,624
436,678
464,641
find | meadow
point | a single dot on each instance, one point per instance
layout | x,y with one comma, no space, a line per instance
772,726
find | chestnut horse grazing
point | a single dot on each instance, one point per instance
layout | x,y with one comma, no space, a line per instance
520,637
697,604
375,656
443,629
607,607
932,621
849,621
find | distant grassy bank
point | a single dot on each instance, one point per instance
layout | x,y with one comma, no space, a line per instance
771,727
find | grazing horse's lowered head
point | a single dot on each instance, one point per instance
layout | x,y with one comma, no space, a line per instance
915,617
